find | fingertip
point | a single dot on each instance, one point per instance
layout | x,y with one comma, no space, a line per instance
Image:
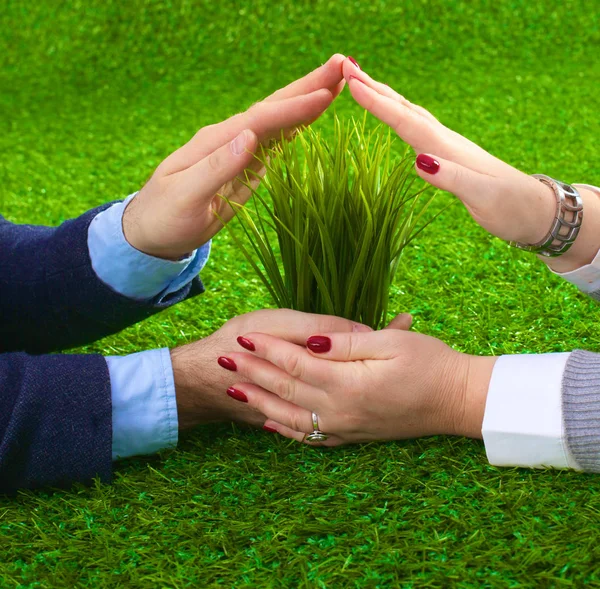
326,94
246,343
244,143
403,322
319,344
360,328
427,163
336,58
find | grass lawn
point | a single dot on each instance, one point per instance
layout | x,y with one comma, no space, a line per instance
93,96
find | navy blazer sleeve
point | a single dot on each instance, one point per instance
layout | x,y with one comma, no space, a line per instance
55,410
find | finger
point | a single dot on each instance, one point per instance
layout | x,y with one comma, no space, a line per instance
296,327
329,76
402,322
266,119
201,181
272,406
346,347
471,187
273,379
412,128
423,131
349,70
293,359
274,427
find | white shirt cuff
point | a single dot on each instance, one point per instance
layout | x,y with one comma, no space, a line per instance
523,420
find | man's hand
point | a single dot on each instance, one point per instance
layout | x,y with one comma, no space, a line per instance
201,384
174,213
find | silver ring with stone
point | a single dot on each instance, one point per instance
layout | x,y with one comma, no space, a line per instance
317,435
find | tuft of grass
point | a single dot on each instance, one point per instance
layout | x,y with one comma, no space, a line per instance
338,214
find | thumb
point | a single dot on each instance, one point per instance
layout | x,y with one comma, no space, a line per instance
204,179
513,208
402,321
347,347
469,186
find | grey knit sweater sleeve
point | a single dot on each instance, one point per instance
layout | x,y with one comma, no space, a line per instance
581,408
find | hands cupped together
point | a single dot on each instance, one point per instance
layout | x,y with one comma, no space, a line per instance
364,385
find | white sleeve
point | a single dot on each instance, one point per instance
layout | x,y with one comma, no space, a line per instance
523,419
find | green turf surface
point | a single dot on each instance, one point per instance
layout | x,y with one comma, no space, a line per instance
92,97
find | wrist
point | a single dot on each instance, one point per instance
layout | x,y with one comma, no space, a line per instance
472,394
198,398
201,385
134,231
587,244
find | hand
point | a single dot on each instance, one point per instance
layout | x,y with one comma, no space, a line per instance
380,385
174,213
201,384
503,200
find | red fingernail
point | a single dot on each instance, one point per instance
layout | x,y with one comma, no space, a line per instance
427,164
237,395
271,430
227,363
354,62
318,344
246,343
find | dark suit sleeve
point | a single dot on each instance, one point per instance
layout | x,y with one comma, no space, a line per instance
55,420
56,410
50,296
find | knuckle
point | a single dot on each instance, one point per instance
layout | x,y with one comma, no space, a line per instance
202,133
283,387
293,365
214,161
297,422
350,348
458,176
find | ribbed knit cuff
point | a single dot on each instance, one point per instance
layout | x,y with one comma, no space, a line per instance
581,408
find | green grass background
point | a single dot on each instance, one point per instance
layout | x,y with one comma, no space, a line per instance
94,94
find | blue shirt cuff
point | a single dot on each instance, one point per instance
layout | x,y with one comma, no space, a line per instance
144,407
131,272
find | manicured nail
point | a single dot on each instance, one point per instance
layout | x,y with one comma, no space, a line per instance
246,343
271,430
427,164
318,344
237,395
238,145
353,62
227,363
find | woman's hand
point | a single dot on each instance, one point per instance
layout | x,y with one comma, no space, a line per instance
503,200
200,383
378,385
174,213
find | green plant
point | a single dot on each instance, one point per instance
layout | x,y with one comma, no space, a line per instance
329,234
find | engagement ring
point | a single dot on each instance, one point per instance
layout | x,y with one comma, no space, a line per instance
317,435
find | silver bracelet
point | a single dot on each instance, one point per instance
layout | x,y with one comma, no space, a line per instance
563,232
